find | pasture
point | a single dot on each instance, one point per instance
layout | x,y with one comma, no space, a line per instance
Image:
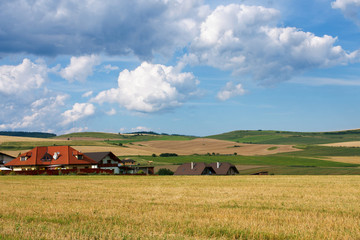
180,207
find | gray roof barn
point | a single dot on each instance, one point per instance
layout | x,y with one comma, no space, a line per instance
195,169
224,168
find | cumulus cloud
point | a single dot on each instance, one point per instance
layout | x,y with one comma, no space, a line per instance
350,9
41,115
27,76
95,26
79,111
230,90
151,88
80,68
111,112
246,40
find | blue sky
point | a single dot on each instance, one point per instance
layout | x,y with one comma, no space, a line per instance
179,66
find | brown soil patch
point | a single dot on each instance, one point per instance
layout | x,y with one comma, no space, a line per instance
118,151
343,144
25,139
355,159
205,145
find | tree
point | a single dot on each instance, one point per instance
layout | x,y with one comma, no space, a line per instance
165,171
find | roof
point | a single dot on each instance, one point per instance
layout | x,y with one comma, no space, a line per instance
98,156
223,168
127,160
1,153
198,169
44,156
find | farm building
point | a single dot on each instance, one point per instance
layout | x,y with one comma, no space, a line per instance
4,158
52,157
106,160
224,168
195,169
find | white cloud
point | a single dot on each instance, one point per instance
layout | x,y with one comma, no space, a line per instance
350,9
141,129
151,88
111,112
75,129
23,77
79,111
245,40
87,94
108,68
42,114
80,68
230,90
96,26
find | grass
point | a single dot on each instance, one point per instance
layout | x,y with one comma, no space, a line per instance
126,138
209,207
274,160
292,138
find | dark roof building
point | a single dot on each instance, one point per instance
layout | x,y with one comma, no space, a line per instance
224,168
4,158
194,169
100,156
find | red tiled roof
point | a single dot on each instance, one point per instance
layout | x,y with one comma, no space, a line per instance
37,157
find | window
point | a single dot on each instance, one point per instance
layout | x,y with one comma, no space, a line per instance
23,158
109,161
80,157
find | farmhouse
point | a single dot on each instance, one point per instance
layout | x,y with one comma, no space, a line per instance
52,157
224,168
106,160
195,169
4,158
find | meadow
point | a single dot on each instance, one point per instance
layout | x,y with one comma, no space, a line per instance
180,207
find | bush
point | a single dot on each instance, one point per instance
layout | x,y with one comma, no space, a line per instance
165,171
140,172
168,155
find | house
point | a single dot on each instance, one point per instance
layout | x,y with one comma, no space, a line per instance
128,162
224,168
4,158
106,160
195,169
52,157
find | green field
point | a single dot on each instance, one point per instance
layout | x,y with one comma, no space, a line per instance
292,138
180,207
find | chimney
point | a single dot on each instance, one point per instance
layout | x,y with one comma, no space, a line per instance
192,165
217,164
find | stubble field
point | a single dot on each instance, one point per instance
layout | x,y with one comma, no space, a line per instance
180,207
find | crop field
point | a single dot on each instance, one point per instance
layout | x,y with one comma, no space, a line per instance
180,207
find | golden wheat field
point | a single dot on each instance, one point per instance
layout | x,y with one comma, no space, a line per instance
207,145
180,207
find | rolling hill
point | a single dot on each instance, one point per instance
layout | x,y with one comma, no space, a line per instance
285,137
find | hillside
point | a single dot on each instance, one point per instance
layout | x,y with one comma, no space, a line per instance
284,137
115,139
27,134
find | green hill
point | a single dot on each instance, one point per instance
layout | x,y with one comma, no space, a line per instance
115,139
284,137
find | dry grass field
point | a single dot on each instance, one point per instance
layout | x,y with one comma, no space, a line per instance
180,207
343,144
207,145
